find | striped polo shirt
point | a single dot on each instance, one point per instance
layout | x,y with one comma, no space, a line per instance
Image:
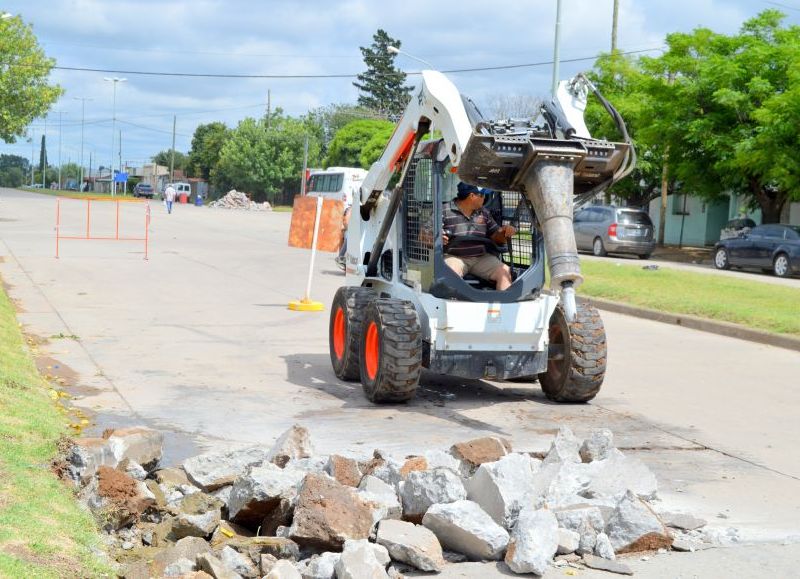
480,224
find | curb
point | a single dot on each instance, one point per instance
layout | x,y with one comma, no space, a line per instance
697,323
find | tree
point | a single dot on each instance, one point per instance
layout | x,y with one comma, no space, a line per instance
326,121
24,91
622,82
207,143
163,158
381,85
730,116
13,170
43,154
354,138
264,161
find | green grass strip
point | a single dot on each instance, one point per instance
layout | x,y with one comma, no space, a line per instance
754,304
43,530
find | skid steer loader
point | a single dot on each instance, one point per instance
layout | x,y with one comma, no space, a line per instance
403,309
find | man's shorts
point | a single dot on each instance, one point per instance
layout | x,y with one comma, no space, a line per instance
482,266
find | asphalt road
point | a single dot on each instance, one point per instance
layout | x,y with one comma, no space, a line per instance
198,341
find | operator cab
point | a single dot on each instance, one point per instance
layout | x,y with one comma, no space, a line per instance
429,184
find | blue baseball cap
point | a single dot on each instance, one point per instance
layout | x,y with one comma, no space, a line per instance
464,189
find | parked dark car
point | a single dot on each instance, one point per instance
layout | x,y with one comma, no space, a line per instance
771,248
143,190
604,229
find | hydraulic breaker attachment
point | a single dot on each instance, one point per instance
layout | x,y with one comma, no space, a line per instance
550,172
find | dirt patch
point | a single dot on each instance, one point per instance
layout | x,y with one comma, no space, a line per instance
59,465
65,566
121,491
55,371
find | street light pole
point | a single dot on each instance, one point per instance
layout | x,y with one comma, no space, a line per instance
59,148
43,155
115,80
556,47
83,117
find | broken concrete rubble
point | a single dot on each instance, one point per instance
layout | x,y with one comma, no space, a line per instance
411,544
533,542
502,487
421,489
466,528
255,494
573,503
234,199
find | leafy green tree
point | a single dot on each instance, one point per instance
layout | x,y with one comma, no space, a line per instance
263,161
24,90
622,82
729,115
163,158
326,121
356,138
70,171
381,85
207,143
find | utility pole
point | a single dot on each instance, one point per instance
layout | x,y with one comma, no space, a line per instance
114,80
32,150
59,148
172,152
556,47
615,19
43,156
90,171
83,117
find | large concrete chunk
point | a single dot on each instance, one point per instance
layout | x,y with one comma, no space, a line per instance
564,447
211,471
237,562
503,487
258,492
198,515
293,444
603,548
533,543
283,570
616,474
411,544
473,453
86,456
361,559
442,459
139,444
464,527
428,487
190,548
382,497
328,513
598,446
635,527
255,547
343,469
319,566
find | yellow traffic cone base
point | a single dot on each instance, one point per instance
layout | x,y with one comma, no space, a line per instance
306,305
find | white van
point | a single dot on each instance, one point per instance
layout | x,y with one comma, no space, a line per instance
340,183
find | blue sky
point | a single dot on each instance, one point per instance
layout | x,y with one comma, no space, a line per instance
310,38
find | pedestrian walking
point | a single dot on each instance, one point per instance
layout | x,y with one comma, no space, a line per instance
169,197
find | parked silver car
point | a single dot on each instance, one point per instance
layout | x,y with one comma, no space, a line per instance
604,229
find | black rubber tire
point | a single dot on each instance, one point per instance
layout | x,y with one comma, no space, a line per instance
721,259
396,357
576,369
351,302
784,270
598,251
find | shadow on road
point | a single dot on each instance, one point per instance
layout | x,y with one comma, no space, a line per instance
444,397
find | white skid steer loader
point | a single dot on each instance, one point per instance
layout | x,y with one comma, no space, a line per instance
403,309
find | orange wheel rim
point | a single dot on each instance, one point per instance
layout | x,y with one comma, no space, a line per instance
339,333
372,349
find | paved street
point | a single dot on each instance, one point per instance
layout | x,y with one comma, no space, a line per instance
197,341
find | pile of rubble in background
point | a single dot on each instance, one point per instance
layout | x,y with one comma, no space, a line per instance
283,512
234,199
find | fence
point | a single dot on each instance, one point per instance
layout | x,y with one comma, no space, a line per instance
88,235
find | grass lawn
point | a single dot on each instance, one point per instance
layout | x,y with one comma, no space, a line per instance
759,305
282,208
43,530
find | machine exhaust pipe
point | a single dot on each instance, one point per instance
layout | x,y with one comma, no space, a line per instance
549,185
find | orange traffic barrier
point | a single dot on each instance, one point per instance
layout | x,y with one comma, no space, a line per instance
88,236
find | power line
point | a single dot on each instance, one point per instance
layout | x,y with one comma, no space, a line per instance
313,76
